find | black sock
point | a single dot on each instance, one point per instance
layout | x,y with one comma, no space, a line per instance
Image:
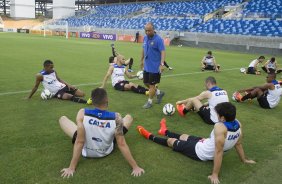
185,111
158,140
130,63
172,134
247,96
139,89
78,100
166,65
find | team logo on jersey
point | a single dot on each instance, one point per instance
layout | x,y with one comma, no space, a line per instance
100,124
152,43
96,139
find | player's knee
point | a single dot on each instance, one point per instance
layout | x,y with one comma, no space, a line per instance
184,137
62,119
170,142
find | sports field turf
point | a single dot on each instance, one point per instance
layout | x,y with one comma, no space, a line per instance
33,148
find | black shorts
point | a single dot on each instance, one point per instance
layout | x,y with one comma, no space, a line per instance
187,147
204,113
209,67
120,85
263,101
66,89
251,70
151,78
75,135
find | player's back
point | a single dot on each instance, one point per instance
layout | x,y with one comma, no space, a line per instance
99,128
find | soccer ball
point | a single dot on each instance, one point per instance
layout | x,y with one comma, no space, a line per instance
140,75
46,94
168,109
242,70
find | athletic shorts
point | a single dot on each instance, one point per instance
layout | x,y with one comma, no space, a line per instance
271,70
204,113
120,85
251,70
187,147
75,136
263,101
209,67
64,90
151,78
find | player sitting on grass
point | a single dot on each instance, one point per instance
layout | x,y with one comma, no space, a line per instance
208,63
271,66
213,94
117,71
252,69
59,88
97,132
268,95
227,133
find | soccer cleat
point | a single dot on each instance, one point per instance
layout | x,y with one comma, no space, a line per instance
163,128
160,97
89,101
170,68
180,109
143,132
147,105
238,96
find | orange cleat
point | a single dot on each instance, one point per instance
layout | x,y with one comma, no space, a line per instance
238,97
143,132
163,128
180,109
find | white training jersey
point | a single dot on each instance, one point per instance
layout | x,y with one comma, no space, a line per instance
118,74
252,64
51,82
209,60
218,96
205,148
273,96
271,65
99,128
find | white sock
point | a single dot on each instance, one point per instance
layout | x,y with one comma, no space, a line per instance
158,92
150,100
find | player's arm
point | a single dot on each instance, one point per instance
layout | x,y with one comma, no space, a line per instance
204,95
123,147
60,80
215,65
240,150
142,60
78,145
203,61
256,64
129,75
108,74
266,67
219,133
38,79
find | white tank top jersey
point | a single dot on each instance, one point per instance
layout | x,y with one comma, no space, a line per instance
271,65
209,60
218,96
273,96
118,74
205,147
99,128
252,64
51,82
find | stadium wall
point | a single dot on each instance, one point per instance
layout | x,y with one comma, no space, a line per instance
250,44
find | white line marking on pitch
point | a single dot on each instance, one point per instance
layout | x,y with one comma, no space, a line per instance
97,83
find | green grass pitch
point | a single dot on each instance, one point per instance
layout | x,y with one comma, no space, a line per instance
33,149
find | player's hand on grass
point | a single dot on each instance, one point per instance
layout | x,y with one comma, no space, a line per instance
137,171
214,179
249,161
67,172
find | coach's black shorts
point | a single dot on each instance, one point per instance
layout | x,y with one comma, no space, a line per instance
205,114
120,85
66,89
263,101
151,78
75,135
187,147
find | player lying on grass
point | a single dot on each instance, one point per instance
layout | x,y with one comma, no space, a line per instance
253,66
59,88
271,66
117,71
227,133
97,132
268,95
213,94
209,63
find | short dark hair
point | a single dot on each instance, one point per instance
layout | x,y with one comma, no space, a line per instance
209,52
211,80
272,59
99,96
47,62
261,57
272,74
111,59
227,110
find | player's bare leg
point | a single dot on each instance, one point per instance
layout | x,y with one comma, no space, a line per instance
68,126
